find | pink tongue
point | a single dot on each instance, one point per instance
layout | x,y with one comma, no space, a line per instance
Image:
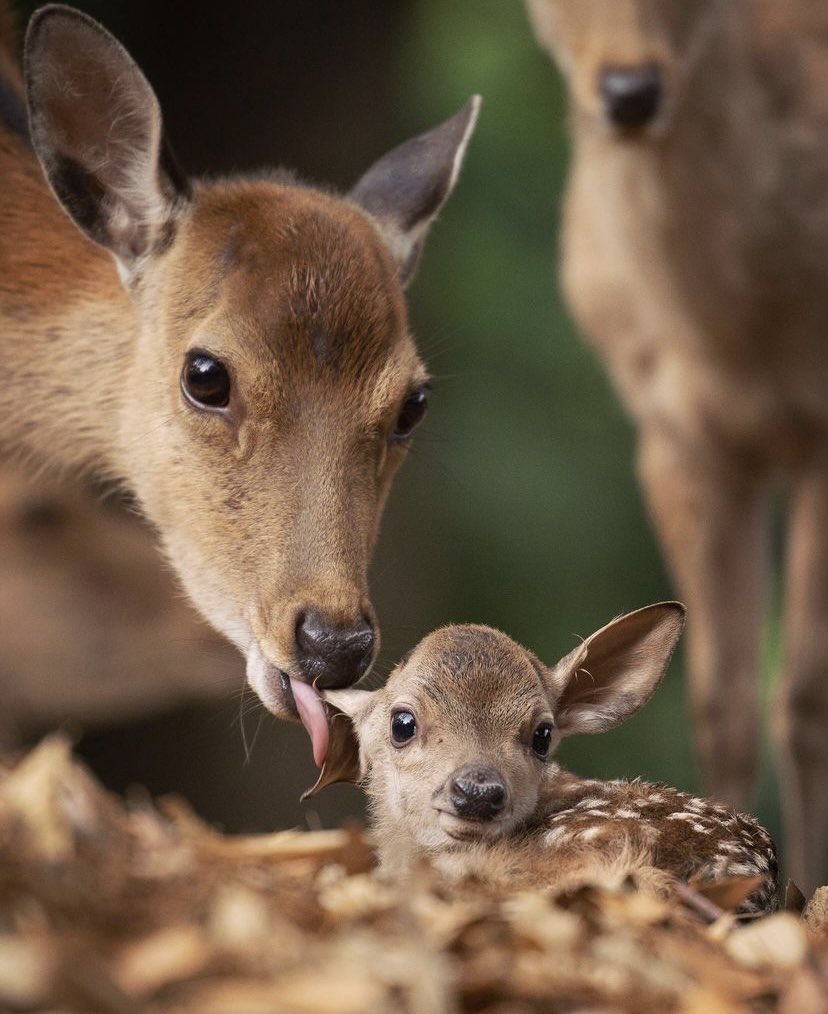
315,720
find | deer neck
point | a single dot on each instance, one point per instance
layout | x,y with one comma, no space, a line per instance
67,329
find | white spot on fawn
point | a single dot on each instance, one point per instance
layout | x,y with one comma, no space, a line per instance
556,835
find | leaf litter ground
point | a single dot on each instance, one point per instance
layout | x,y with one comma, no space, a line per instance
106,906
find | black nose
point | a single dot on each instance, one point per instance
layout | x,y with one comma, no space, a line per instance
330,654
477,793
631,95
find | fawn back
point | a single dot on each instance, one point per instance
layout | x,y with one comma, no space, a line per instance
455,752
235,352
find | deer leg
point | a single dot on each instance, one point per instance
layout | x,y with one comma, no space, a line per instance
711,520
801,712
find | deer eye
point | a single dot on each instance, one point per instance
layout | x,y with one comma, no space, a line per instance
411,414
205,380
403,727
542,740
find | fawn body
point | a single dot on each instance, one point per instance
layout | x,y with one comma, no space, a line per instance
455,752
236,353
695,260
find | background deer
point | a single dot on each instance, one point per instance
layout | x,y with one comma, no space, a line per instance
695,251
247,371
455,752
93,629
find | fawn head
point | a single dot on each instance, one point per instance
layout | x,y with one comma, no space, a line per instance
272,386
627,62
455,746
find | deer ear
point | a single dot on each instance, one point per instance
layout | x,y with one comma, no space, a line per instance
96,128
613,674
406,188
342,763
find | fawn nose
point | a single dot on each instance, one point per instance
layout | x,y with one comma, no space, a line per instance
631,95
331,654
477,793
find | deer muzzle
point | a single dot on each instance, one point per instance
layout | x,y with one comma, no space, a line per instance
631,96
473,803
332,654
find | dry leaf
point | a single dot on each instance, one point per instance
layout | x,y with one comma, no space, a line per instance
777,941
794,898
27,967
728,893
815,914
170,955
150,910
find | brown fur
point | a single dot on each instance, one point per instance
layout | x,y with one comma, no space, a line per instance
92,629
694,259
270,507
477,698
9,66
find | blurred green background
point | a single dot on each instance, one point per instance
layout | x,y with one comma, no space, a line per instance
518,506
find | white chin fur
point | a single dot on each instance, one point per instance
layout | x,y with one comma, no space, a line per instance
264,680
470,830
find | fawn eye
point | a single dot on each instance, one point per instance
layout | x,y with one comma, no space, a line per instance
403,727
205,380
542,739
411,414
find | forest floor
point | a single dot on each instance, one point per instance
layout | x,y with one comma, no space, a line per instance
106,906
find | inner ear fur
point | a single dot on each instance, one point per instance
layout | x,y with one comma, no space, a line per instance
616,670
342,762
96,127
405,190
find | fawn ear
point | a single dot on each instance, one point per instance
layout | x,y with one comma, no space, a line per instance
614,672
96,127
406,188
342,763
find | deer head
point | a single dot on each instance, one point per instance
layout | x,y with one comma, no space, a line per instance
268,386
627,62
457,745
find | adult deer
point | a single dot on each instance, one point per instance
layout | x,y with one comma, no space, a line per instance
92,629
247,371
695,259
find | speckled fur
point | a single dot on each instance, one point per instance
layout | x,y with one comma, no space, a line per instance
476,697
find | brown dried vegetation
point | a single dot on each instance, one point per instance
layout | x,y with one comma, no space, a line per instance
125,908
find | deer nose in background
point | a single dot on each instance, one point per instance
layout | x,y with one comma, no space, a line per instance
331,654
477,793
631,95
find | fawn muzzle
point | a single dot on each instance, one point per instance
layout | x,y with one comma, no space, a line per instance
477,793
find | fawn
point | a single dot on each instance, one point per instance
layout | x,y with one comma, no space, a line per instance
695,260
455,753
236,353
